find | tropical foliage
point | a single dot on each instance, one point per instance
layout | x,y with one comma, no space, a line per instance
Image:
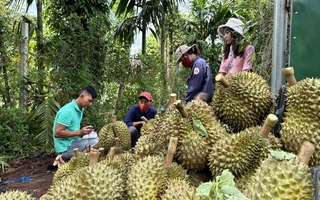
74,43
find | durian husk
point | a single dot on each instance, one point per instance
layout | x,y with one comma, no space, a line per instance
276,179
192,150
301,118
245,103
146,177
99,181
73,165
107,137
180,190
150,145
241,153
16,195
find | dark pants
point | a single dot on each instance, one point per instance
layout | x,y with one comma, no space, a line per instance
135,135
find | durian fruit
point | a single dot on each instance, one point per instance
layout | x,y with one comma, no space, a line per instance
203,113
78,161
282,177
241,100
115,129
97,182
176,171
16,195
301,117
192,149
180,190
150,145
243,152
146,177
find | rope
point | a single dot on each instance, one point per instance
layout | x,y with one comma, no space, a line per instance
23,179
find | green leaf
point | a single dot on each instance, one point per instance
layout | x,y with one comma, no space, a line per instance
282,155
226,178
199,128
204,189
232,193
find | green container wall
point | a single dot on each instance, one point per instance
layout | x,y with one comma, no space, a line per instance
305,39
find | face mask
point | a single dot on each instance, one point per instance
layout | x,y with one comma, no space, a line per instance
144,107
186,62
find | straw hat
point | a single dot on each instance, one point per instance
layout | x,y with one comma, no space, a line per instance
182,50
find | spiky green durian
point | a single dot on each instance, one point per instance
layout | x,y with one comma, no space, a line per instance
301,118
180,190
244,103
201,111
145,129
240,152
99,181
146,178
74,164
16,195
150,145
280,179
176,171
192,148
107,137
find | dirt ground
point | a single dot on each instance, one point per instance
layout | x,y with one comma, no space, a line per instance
39,168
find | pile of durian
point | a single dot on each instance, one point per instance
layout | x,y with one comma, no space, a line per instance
189,145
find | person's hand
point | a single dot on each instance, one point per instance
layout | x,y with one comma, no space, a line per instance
86,130
142,123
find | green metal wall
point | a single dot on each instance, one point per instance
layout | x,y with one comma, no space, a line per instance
305,39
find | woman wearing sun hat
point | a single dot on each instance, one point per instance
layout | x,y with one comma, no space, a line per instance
238,54
200,79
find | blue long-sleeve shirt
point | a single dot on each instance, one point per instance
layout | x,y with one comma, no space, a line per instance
134,115
200,79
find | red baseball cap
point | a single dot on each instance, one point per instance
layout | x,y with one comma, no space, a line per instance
146,95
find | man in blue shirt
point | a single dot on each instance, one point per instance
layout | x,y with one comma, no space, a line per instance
133,117
67,131
200,79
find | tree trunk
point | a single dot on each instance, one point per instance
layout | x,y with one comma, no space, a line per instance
6,94
120,93
24,47
39,34
162,49
169,59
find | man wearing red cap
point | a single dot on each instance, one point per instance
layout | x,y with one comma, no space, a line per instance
133,117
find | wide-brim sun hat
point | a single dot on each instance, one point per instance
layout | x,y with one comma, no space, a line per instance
233,23
182,50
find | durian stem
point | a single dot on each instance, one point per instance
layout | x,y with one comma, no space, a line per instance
76,152
306,151
288,72
173,98
182,109
94,156
220,78
111,154
268,125
171,150
102,153
117,142
114,119
144,119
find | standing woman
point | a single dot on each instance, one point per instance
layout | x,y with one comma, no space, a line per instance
200,79
238,54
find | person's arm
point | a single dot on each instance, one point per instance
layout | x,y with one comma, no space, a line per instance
223,66
131,116
247,56
61,132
